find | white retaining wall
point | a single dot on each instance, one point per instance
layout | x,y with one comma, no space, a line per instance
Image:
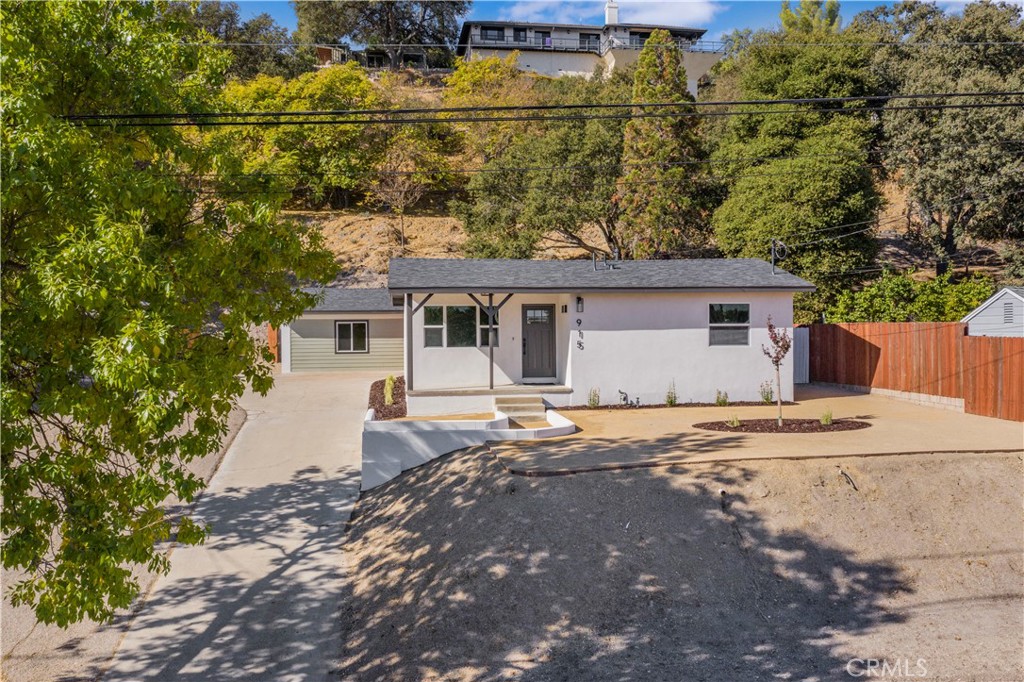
391,447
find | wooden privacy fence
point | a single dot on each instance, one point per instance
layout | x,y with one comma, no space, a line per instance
929,358
994,376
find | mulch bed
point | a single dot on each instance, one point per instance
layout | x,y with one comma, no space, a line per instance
788,426
621,406
395,410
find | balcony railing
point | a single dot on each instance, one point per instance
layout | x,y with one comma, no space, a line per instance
589,44
539,43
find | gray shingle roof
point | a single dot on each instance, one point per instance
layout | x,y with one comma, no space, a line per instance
341,300
489,276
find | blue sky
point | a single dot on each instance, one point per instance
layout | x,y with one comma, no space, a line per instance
718,16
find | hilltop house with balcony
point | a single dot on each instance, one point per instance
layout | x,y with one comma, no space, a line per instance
579,49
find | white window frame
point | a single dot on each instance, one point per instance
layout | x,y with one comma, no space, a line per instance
352,336
482,329
728,325
443,326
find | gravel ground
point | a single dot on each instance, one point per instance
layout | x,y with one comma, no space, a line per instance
463,572
45,653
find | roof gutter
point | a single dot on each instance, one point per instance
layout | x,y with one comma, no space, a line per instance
600,290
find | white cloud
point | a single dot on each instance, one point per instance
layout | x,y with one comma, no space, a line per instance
556,11
665,12
669,12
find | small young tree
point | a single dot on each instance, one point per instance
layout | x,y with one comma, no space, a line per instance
411,167
780,343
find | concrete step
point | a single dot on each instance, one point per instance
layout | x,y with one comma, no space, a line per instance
530,407
522,409
518,400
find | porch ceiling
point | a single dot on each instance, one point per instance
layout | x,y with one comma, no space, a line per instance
510,389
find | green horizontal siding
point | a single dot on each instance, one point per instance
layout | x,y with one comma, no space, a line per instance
312,347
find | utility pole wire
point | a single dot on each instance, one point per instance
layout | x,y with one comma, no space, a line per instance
539,107
514,119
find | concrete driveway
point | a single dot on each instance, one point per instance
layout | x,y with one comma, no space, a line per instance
260,599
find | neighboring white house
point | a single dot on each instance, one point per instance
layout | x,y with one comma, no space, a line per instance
581,49
561,329
350,329
1000,315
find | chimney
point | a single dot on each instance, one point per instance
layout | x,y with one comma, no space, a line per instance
611,13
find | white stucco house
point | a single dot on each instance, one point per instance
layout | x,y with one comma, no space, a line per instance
1001,315
478,329
582,49
560,329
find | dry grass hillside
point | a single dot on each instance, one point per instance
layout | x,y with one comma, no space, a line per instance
364,241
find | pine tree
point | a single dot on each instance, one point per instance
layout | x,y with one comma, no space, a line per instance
662,197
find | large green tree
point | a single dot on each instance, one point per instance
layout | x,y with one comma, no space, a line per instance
962,169
553,186
258,45
394,26
664,189
135,262
897,297
810,16
322,163
800,176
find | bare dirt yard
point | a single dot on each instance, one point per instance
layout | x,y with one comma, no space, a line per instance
802,570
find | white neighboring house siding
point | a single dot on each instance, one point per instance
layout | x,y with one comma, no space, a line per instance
311,343
547,63
636,342
557,63
1001,315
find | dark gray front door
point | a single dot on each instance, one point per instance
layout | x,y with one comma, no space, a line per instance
538,341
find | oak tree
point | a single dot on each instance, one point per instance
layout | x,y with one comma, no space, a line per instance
135,262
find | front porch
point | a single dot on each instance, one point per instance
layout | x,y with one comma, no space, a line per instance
469,348
505,390
442,401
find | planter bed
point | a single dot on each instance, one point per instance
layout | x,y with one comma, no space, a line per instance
620,406
788,426
396,410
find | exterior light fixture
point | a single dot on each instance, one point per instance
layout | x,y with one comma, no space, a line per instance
579,304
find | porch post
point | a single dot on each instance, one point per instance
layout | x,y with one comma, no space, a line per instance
408,342
491,336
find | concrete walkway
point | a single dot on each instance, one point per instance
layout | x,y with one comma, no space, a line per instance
622,439
260,600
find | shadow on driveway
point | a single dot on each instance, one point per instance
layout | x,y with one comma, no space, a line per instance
204,622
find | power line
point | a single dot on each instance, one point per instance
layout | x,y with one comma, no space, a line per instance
874,222
469,190
594,167
539,107
382,46
524,119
